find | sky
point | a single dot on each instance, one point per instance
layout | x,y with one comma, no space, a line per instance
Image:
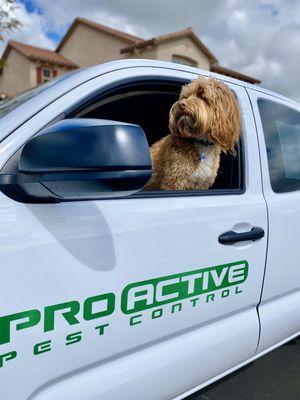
260,38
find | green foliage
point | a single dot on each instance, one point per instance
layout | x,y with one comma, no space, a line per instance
8,23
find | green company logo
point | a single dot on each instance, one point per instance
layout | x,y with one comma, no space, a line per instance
156,292
197,287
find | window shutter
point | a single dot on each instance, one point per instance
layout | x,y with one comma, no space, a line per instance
39,75
54,73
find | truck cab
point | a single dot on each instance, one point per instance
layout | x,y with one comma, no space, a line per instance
108,291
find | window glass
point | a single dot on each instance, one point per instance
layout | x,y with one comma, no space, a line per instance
281,126
47,74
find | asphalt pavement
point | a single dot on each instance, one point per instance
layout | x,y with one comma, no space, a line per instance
276,376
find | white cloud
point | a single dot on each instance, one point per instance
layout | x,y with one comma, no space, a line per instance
60,14
259,37
240,15
33,30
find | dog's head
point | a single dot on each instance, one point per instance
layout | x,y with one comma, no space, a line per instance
207,109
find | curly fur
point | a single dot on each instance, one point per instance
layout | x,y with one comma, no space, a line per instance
205,120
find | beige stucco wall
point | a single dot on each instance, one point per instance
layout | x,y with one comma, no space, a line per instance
184,47
149,53
88,46
16,74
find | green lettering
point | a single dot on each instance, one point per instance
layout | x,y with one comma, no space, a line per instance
134,320
101,328
194,301
32,318
42,347
174,306
73,338
225,293
7,357
210,297
108,305
73,309
157,313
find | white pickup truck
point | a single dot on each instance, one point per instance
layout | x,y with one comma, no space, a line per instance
111,293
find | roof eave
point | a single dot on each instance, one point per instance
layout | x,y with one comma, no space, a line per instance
4,55
50,62
234,74
92,25
10,47
67,35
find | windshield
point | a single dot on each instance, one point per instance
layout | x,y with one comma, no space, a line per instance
7,106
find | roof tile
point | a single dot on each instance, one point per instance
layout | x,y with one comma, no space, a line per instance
101,27
35,53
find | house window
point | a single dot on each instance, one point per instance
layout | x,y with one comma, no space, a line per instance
184,61
45,74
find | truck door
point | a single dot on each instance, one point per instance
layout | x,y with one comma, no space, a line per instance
278,125
129,298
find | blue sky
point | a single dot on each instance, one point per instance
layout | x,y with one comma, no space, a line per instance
258,37
33,7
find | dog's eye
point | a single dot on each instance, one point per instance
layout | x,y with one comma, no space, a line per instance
200,96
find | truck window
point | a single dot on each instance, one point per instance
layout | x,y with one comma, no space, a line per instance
281,126
148,104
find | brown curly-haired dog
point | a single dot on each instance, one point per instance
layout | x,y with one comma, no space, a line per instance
204,122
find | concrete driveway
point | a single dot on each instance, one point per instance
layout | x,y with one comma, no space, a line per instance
275,376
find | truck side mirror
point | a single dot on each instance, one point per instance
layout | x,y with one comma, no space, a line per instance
80,159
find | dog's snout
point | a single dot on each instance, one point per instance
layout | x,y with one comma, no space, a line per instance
183,104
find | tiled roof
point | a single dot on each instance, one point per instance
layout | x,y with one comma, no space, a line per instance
168,37
39,54
123,35
233,74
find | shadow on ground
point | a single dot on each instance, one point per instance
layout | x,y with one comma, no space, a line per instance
275,376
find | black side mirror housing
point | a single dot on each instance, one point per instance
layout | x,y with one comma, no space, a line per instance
80,159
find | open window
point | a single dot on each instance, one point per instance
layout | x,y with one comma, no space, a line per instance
148,104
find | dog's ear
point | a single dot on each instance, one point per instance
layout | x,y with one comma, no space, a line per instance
226,126
172,122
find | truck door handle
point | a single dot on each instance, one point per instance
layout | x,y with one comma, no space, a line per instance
231,237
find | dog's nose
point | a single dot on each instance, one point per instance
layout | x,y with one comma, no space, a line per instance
182,104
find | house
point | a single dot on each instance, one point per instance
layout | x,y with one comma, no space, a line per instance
24,67
88,43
